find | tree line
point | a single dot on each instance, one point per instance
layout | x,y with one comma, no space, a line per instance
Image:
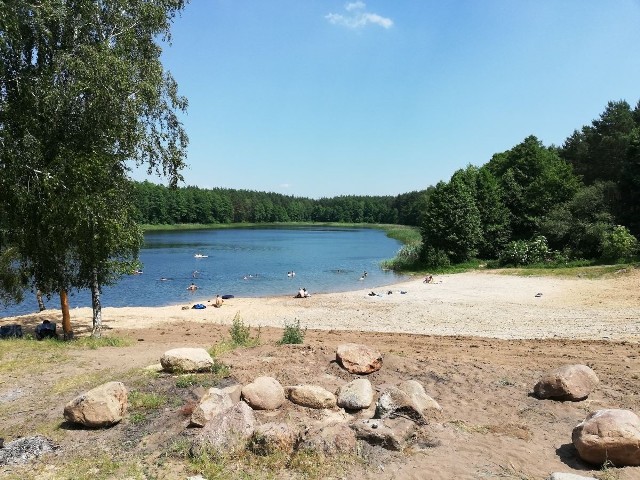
536,204
157,204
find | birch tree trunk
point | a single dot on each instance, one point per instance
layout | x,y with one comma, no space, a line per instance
66,316
41,306
97,306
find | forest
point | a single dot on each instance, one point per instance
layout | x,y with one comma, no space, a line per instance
529,205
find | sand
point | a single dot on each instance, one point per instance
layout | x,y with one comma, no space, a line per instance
493,305
478,342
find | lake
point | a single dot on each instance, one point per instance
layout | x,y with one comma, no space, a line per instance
244,263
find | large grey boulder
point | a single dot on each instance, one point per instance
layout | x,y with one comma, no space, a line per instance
609,435
186,360
226,432
355,395
392,434
311,396
272,438
211,404
360,359
569,382
330,439
102,406
264,393
408,400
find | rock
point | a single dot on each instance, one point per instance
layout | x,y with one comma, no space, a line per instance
391,434
358,359
25,449
423,402
227,431
311,396
355,395
234,392
273,437
333,439
568,476
415,404
102,406
610,434
181,360
264,393
214,402
569,382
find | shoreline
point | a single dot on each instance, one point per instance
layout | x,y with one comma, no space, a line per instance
475,304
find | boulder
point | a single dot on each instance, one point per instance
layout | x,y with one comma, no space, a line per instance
355,395
569,382
272,438
264,393
423,402
102,406
212,403
360,359
409,400
234,391
311,396
181,360
391,434
610,434
331,439
226,432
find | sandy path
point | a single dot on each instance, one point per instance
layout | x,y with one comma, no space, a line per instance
471,304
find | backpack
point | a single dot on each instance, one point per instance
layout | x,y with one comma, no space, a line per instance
11,331
199,306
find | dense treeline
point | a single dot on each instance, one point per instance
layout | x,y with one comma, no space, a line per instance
536,204
161,205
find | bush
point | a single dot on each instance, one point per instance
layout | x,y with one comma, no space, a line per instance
241,333
619,244
529,252
435,258
293,334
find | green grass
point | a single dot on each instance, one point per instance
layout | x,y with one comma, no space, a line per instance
293,334
145,400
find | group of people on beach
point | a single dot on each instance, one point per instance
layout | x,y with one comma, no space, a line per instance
302,293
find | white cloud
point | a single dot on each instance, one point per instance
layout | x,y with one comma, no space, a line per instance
285,185
358,17
354,6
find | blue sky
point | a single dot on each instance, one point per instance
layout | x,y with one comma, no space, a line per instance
320,98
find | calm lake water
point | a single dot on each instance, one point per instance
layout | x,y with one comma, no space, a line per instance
244,263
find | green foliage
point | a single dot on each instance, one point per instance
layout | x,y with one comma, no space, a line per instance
528,252
578,226
82,93
407,258
293,334
145,400
241,333
534,179
451,225
619,244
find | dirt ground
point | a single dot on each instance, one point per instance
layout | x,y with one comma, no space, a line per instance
490,427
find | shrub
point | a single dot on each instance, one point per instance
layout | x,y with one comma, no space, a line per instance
435,258
619,244
529,252
241,333
293,334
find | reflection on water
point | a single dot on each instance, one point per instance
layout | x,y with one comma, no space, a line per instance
245,263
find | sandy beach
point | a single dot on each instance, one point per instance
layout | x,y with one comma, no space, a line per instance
493,305
477,342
